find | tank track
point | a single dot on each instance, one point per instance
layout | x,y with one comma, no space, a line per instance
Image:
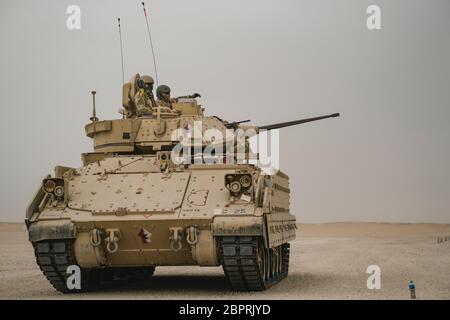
54,257
251,267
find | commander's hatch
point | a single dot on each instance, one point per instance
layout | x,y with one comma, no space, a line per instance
128,193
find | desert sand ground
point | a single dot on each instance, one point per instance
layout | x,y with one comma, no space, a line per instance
328,261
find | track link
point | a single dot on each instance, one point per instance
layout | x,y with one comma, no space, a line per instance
251,267
54,257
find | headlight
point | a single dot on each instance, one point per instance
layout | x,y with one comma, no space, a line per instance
238,183
246,180
55,186
235,186
49,186
59,191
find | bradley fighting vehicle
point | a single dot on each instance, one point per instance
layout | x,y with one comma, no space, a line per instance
130,207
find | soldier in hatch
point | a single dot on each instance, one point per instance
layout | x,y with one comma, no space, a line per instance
144,99
164,99
163,95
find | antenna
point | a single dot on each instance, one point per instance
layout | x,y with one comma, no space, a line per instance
94,116
121,50
151,43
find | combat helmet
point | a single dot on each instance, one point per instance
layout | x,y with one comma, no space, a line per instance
162,89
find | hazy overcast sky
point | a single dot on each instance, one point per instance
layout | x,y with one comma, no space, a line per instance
386,159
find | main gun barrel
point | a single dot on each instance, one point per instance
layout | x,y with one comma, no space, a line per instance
234,124
295,122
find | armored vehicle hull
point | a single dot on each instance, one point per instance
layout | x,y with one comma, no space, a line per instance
125,222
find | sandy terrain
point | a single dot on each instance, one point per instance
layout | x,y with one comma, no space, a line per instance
328,261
